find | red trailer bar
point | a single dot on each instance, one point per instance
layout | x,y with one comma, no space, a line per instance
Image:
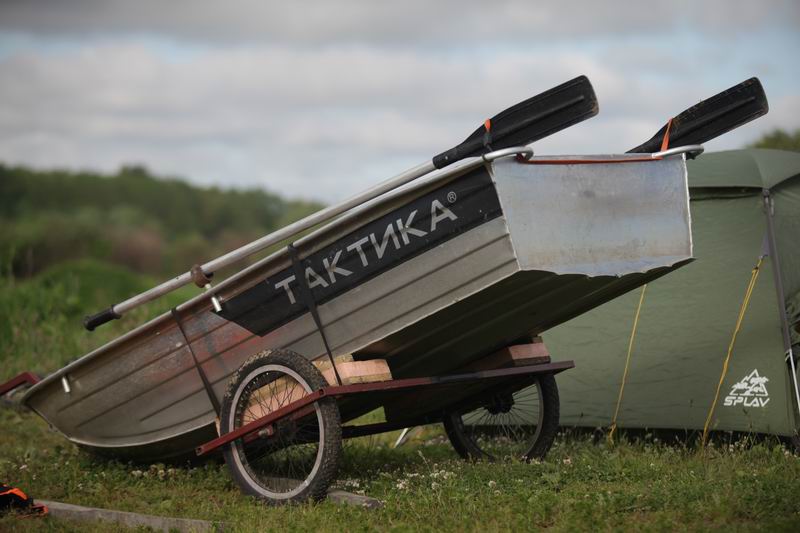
380,386
26,378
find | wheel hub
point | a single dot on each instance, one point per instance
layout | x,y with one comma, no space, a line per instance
500,403
285,430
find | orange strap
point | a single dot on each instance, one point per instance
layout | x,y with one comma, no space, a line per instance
665,140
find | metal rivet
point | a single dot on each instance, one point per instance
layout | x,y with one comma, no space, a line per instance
214,300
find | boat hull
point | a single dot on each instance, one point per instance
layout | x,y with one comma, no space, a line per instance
430,279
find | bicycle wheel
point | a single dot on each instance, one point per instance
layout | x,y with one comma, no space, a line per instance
508,425
298,459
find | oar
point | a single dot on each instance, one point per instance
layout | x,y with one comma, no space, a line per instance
524,123
712,117
528,121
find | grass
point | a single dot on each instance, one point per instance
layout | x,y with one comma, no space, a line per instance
582,485
41,318
642,484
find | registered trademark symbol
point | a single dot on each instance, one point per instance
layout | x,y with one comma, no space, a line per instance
451,197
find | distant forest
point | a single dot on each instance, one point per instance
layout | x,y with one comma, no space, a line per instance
153,225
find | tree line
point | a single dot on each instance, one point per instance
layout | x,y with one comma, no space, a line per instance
151,224
779,139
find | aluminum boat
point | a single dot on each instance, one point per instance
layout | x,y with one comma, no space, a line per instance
430,276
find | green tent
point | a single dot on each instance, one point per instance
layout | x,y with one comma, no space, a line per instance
688,317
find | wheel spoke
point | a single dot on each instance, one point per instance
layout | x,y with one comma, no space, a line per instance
297,457
506,426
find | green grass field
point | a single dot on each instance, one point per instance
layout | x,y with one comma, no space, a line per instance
643,484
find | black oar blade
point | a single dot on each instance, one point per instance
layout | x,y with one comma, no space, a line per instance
712,117
528,121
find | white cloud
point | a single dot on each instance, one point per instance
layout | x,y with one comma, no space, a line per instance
329,103
321,21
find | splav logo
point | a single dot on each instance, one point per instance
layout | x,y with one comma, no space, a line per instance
749,392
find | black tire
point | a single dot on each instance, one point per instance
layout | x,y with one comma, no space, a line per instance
299,461
499,429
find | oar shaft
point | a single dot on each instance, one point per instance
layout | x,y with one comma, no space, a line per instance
284,233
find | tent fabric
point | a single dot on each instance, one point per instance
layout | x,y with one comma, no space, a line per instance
787,236
755,167
688,317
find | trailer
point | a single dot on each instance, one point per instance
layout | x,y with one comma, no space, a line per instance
440,280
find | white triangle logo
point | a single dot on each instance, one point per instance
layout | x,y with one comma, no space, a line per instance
750,391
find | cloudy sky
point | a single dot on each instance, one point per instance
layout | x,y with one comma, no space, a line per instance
320,99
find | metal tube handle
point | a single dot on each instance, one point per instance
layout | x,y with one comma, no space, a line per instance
691,151
525,152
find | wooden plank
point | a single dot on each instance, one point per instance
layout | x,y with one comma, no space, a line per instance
360,372
533,353
81,514
273,396
324,363
78,513
285,390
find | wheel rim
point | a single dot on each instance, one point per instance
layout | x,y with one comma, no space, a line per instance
507,426
280,466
